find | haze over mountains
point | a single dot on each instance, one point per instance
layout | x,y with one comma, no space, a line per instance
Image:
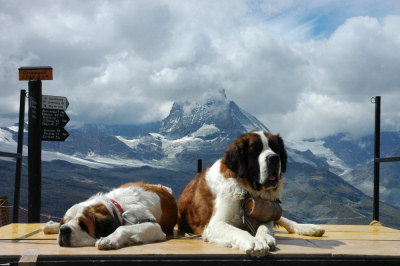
328,180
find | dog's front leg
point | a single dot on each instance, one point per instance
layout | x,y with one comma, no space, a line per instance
224,234
265,232
132,234
301,229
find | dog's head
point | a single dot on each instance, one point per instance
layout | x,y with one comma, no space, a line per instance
84,223
258,159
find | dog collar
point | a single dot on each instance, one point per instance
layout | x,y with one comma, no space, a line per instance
121,211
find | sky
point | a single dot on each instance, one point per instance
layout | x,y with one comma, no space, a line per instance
305,68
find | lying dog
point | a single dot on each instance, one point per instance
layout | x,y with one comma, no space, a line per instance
134,213
221,203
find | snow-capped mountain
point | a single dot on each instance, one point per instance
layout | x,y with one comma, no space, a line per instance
192,130
352,159
214,116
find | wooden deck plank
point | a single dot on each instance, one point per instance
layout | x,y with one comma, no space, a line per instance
339,240
24,231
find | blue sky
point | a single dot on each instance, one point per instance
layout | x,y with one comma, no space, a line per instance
305,68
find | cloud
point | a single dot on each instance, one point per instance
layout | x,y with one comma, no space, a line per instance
360,57
358,61
319,115
305,70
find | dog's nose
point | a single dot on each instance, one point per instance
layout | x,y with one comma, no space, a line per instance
65,230
273,159
64,236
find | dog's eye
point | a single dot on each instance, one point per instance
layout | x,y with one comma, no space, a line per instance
255,148
274,146
83,227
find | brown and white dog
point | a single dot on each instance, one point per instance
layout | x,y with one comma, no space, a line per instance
211,204
134,213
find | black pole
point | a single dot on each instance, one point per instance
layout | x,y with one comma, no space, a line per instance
377,138
19,158
199,165
34,151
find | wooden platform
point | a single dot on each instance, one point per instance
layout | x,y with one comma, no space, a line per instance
341,244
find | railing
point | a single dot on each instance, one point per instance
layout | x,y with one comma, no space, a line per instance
377,160
10,155
5,211
18,155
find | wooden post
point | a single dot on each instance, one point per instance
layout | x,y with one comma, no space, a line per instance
34,151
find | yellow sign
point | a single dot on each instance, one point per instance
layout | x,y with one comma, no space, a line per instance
36,72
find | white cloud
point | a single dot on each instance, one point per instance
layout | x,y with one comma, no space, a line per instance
305,69
320,115
343,72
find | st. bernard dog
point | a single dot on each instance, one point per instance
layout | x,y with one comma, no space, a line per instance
134,213
214,203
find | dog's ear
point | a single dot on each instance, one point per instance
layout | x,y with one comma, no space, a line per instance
282,154
104,222
236,158
104,225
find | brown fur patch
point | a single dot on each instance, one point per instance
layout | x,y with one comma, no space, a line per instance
91,214
168,205
195,205
238,160
228,173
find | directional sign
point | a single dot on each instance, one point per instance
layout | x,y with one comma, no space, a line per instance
54,134
35,73
54,118
55,102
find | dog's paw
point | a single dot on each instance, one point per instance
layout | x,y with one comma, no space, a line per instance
270,240
311,230
255,247
105,243
51,228
318,231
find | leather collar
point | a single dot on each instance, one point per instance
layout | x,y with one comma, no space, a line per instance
121,211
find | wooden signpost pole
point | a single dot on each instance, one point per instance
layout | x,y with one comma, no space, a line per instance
46,118
35,75
34,151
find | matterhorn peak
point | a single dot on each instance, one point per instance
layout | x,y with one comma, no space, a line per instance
212,109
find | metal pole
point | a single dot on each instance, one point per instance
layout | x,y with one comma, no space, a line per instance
377,138
19,159
199,165
34,151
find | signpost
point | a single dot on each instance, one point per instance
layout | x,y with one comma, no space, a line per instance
54,118
54,134
55,102
46,118
36,73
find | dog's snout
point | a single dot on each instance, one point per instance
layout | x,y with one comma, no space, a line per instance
64,236
273,159
273,170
